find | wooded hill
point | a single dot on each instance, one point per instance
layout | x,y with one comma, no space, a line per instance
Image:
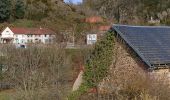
52,13
131,11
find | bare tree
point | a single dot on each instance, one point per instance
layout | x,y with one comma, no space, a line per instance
35,72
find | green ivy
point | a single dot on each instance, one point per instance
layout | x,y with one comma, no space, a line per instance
75,95
97,65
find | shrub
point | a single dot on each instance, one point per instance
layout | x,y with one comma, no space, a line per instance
101,58
35,71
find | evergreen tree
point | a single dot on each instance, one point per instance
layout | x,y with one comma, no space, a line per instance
19,9
5,10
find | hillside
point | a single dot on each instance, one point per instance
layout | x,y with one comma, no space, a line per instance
46,66
52,13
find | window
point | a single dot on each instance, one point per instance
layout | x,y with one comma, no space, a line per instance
16,40
22,41
91,37
46,40
7,32
30,41
29,35
94,36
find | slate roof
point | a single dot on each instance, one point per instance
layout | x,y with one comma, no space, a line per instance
150,43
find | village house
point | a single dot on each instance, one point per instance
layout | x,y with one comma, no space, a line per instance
91,39
27,35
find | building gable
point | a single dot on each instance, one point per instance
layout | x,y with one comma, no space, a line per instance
7,33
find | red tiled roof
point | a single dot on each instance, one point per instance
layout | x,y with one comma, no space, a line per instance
101,28
94,19
35,31
104,28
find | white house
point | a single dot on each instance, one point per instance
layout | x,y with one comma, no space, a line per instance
91,39
26,35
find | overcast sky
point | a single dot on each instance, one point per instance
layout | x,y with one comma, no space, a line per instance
74,1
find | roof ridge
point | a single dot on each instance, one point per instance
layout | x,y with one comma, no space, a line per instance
141,26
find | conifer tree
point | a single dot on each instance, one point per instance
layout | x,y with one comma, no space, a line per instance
19,9
5,10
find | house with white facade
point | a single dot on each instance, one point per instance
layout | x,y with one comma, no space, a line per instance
27,35
91,39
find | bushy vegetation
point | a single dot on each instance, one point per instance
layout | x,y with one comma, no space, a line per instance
51,13
97,65
137,12
99,61
5,10
40,72
35,72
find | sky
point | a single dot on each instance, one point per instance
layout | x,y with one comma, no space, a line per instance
74,1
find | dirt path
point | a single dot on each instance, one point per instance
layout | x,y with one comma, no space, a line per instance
78,81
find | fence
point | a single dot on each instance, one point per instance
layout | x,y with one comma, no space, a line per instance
5,85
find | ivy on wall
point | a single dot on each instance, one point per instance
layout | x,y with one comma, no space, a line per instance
99,61
97,65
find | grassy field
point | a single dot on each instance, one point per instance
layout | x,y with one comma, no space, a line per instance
25,23
6,95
